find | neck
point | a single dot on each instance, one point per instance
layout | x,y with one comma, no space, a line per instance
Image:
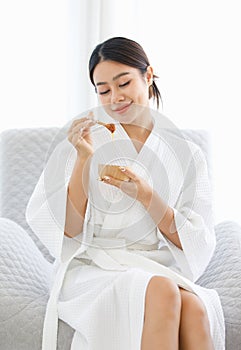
139,131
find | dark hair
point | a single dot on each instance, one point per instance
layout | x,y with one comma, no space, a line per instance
125,51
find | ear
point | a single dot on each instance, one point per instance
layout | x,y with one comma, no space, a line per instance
149,75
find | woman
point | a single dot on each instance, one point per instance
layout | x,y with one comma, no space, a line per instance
128,253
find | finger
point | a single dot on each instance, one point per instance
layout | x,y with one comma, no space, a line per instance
78,121
75,139
84,132
88,123
111,181
74,136
85,124
128,187
81,129
89,117
128,172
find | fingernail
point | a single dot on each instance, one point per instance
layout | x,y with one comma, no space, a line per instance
106,178
122,168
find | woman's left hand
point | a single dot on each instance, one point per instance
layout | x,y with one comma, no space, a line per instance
136,187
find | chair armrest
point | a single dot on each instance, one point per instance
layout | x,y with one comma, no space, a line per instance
224,271
223,274
24,288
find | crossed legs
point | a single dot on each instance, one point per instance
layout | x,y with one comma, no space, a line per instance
174,318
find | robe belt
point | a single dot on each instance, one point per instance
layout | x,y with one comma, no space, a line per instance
120,243
99,251
123,259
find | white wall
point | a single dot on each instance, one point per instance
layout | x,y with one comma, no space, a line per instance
193,45
197,55
32,63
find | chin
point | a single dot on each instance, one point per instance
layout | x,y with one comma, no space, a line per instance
135,115
128,118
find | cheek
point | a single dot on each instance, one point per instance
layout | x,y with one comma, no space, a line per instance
106,106
142,96
141,90
103,99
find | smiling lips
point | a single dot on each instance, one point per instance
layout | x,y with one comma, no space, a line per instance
122,108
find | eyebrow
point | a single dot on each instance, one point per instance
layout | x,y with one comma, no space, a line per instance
115,78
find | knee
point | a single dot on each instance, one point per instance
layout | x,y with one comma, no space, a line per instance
195,310
163,294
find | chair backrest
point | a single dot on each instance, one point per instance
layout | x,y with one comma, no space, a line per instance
23,155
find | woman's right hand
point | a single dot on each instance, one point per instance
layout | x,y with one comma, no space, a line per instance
80,136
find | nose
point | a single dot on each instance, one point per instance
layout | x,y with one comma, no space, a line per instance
116,96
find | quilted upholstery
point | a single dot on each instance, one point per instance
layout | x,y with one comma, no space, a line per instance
23,155
224,274
24,284
25,273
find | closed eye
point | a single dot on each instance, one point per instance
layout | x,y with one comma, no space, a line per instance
104,92
120,85
125,84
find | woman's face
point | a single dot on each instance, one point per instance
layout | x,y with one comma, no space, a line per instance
122,89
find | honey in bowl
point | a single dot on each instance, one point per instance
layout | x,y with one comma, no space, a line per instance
113,171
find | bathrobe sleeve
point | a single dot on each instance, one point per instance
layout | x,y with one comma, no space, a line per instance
46,208
194,220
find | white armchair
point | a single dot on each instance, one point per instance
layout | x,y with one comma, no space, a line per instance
26,265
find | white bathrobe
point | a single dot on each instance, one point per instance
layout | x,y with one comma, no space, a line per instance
101,275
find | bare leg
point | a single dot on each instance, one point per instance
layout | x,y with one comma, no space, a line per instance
162,315
194,325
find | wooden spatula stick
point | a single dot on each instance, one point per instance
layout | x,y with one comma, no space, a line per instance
110,127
